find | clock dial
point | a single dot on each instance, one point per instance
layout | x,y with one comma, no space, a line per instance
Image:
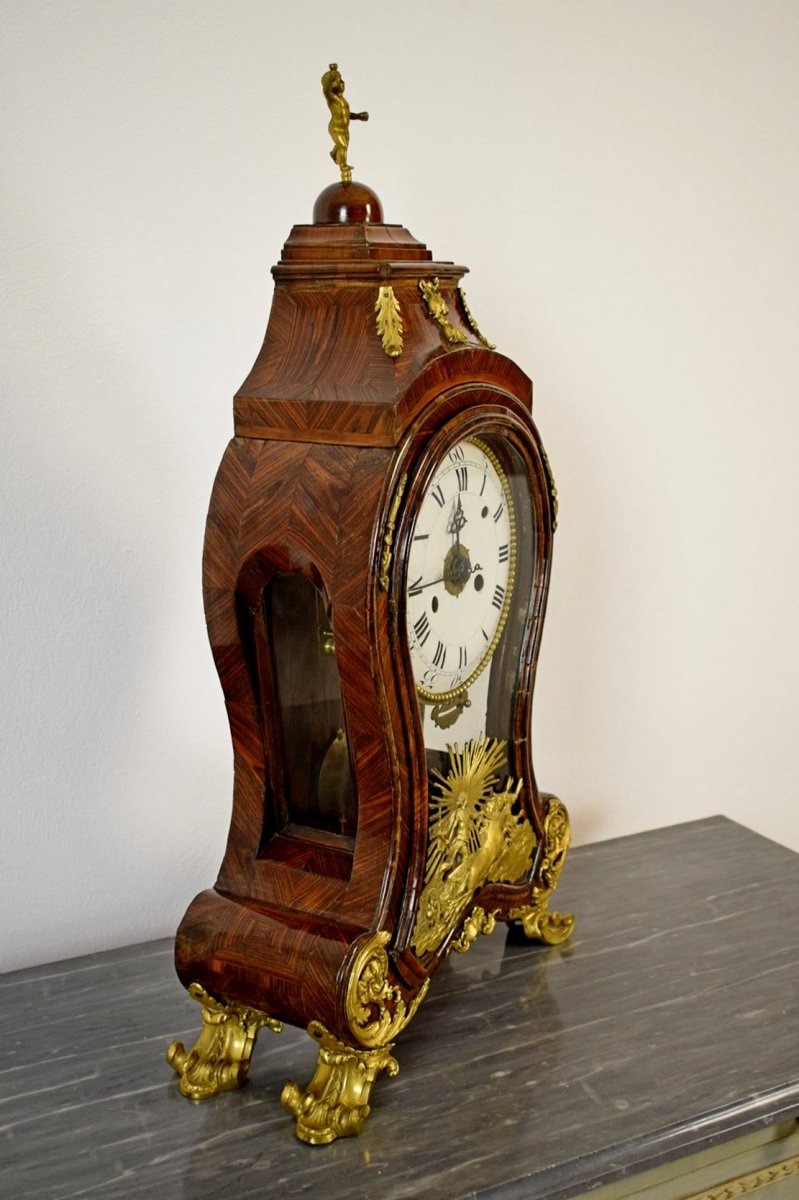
461,569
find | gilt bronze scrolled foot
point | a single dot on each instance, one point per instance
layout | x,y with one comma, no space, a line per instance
544,926
219,1061
535,918
336,1102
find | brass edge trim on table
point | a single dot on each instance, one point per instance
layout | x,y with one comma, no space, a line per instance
388,535
438,310
375,1009
744,1185
470,321
474,838
336,1102
389,321
219,1061
536,920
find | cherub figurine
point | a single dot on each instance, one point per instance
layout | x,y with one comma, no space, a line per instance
340,117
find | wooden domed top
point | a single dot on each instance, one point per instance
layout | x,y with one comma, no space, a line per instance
347,204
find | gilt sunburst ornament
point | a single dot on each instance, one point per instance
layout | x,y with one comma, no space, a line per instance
475,837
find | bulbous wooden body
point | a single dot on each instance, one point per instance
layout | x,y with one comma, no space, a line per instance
328,427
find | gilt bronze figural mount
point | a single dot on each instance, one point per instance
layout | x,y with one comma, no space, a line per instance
340,117
375,576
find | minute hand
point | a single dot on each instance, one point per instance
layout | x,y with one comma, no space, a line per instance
433,582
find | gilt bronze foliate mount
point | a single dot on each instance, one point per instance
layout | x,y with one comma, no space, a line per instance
220,1059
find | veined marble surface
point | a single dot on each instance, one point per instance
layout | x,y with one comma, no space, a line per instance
670,1022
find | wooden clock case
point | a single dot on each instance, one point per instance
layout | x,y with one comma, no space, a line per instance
336,437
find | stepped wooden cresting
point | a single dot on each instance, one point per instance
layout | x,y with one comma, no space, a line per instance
375,574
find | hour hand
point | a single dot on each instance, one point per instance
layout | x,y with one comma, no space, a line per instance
457,520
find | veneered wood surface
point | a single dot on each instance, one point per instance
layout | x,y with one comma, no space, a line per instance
326,425
322,374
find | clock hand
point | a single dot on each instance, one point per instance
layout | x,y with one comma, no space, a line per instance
456,521
460,521
433,582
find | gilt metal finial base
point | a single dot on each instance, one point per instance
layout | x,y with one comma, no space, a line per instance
336,1102
219,1061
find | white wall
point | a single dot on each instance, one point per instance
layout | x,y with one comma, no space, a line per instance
622,179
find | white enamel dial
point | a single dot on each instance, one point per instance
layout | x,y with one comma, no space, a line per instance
461,569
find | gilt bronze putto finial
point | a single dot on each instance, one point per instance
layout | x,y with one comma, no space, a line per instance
340,117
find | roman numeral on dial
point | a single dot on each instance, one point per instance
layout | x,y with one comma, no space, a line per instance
422,629
499,596
504,551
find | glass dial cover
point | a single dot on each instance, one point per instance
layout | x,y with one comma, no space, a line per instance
461,570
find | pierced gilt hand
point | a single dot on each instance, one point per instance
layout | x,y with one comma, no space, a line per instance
457,521
457,567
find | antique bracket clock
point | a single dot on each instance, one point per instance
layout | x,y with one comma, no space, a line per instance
375,575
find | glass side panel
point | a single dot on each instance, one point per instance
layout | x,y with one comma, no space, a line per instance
317,781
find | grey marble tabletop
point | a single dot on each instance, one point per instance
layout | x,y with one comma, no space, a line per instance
670,1022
